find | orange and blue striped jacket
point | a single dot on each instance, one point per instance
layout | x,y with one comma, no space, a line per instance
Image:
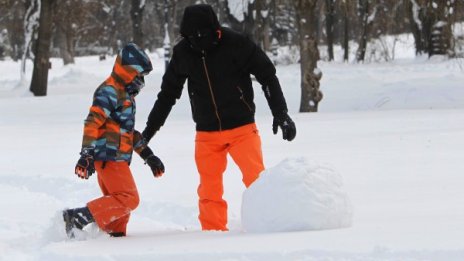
109,126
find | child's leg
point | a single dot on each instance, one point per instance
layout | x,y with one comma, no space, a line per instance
120,197
119,226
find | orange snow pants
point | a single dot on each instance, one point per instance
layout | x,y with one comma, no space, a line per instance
120,196
211,149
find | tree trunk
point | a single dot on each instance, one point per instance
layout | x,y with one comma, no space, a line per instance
262,22
137,18
329,22
267,35
65,45
249,23
346,36
416,25
310,74
441,34
171,22
231,20
31,20
364,14
431,26
15,27
41,62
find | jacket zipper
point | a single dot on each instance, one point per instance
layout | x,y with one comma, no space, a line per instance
212,93
242,97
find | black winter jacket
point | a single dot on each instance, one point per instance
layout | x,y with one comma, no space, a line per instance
219,84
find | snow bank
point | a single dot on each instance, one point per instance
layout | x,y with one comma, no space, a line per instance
296,195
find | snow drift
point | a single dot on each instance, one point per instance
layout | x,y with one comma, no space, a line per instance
296,195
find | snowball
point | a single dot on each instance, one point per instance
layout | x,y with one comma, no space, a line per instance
296,195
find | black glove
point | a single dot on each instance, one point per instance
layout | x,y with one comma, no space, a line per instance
157,167
286,124
85,166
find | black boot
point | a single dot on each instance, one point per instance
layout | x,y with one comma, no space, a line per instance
76,218
117,234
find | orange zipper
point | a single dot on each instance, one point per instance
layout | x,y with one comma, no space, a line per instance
212,93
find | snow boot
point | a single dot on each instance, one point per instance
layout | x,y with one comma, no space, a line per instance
117,234
76,218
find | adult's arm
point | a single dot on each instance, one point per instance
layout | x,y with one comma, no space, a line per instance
171,90
259,64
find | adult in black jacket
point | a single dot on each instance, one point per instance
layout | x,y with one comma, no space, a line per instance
217,62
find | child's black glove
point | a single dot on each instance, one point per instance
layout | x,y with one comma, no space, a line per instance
85,166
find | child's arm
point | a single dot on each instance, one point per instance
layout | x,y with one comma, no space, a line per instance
104,102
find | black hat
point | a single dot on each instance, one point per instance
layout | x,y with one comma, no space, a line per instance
197,18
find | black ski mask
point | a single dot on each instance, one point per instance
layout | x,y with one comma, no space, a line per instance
134,87
200,27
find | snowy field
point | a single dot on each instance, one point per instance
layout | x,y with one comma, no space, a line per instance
393,132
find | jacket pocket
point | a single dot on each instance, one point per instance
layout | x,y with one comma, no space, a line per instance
192,104
242,98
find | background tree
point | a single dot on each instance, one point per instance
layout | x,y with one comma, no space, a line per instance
309,55
364,7
329,22
69,20
262,32
431,25
31,21
12,17
345,7
102,27
136,12
41,61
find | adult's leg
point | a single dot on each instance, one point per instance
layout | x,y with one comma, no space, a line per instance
245,150
211,160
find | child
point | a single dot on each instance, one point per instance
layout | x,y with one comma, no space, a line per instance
109,139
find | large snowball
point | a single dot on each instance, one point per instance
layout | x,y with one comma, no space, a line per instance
296,195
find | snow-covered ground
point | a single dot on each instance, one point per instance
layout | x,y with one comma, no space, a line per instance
394,133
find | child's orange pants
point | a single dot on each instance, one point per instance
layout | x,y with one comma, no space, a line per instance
112,211
211,148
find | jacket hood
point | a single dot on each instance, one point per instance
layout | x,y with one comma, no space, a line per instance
131,62
198,17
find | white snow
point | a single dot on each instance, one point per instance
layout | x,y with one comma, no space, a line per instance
392,131
296,195
238,8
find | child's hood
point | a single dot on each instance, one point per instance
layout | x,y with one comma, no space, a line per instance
131,62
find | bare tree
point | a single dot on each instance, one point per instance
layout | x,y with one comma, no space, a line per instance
262,23
431,25
42,54
69,18
441,37
310,74
137,19
12,15
345,13
329,22
366,21
249,20
31,21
